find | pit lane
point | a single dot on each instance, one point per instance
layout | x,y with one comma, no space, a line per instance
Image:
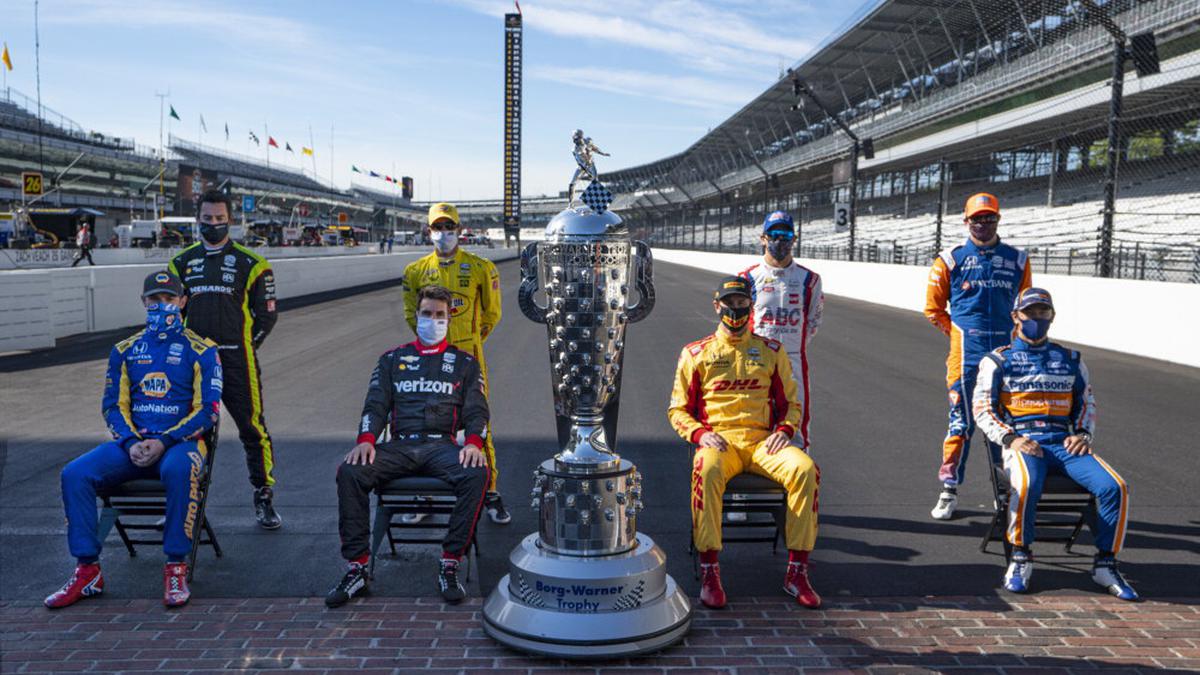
878,419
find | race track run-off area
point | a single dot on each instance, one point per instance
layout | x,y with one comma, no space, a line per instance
900,588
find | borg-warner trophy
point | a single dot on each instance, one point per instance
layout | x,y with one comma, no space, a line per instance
587,584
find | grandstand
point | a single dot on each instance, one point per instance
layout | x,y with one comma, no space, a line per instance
1007,97
109,173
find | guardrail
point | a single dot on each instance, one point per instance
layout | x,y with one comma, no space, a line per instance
37,307
1089,310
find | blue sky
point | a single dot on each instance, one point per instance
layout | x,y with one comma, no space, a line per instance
414,84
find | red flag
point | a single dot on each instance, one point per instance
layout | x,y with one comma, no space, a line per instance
271,142
388,179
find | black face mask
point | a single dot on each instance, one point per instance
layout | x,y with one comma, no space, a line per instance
779,249
735,318
214,234
983,231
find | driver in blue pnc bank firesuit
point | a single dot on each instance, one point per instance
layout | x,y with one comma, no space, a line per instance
162,393
1034,400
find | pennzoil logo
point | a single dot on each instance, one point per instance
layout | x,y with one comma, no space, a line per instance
155,385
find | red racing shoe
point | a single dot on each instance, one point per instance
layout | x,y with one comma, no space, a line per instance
712,595
175,586
85,582
795,584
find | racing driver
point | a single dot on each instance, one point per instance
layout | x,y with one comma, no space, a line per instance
231,301
162,393
787,303
1034,400
979,280
474,313
734,399
425,392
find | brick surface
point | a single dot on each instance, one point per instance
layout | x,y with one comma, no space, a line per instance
1040,634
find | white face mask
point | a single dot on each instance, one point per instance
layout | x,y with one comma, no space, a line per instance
444,240
432,331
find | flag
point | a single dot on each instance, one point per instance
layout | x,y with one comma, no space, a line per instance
289,147
202,124
227,131
254,138
6,58
174,114
374,175
354,169
518,4
271,142
306,151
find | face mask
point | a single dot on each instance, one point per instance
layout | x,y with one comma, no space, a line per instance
432,331
983,231
735,318
779,249
1034,330
163,317
214,234
444,240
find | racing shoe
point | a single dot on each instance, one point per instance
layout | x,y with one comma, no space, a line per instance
354,581
1020,570
448,584
712,594
946,503
495,509
796,584
175,585
264,509
1106,574
85,582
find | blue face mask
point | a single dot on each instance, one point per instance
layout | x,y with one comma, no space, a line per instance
163,317
1034,330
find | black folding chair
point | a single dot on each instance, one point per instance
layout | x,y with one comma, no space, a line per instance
1064,504
145,499
765,504
425,495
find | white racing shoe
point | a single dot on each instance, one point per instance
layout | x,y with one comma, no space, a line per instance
1106,574
1019,572
946,503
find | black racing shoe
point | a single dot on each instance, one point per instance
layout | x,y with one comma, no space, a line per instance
451,589
495,509
264,509
355,581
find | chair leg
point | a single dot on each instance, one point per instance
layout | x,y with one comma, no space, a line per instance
382,526
124,535
212,538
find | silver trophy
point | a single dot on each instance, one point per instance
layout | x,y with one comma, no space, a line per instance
587,584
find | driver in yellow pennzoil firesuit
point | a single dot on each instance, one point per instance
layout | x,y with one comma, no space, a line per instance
735,400
474,314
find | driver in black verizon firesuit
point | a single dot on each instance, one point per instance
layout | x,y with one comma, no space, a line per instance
429,390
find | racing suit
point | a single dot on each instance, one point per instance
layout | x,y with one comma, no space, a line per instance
425,395
231,301
741,387
979,285
161,385
474,313
787,307
1042,392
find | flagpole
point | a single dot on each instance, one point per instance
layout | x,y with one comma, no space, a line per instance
267,133
312,146
37,57
330,154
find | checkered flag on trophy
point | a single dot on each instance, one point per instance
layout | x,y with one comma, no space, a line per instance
597,197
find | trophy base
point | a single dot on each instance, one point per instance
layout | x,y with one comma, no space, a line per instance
585,608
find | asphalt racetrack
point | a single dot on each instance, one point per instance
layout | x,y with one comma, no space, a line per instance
878,421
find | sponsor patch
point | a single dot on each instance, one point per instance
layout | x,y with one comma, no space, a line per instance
155,385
